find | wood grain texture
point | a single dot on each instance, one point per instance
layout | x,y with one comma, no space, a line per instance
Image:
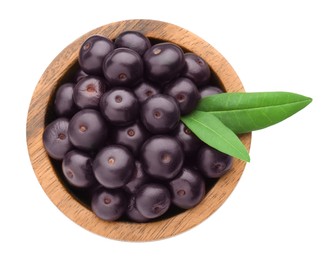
48,178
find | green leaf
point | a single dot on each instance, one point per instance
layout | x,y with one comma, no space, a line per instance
246,112
214,133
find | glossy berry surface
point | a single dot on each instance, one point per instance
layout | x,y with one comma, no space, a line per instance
64,105
87,129
163,62
152,200
185,92
212,163
133,40
119,106
162,157
189,141
123,67
133,213
80,74
92,54
77,169
187,189
88,91
55,138
109,204
209,90
145,90
131,136
160,114
113,166
138,178
196,69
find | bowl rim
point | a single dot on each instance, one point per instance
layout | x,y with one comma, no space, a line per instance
48,179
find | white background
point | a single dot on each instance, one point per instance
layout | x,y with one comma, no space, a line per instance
282,206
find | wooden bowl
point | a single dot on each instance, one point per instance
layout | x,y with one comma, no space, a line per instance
45,172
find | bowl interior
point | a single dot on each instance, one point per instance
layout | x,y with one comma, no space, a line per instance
73,203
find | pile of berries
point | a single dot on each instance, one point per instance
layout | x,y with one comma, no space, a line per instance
117,133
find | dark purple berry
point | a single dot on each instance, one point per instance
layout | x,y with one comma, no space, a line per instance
109,204
77,169
133,40
185,92
138,179
187,189
152,200
119,106
162,157
80,75
92,54
55,138
132,212
145,90
189,141
209,91
163,62
88,91
113,166
196,69
131,136
212,163
123,67
87,129
160,114
64,105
